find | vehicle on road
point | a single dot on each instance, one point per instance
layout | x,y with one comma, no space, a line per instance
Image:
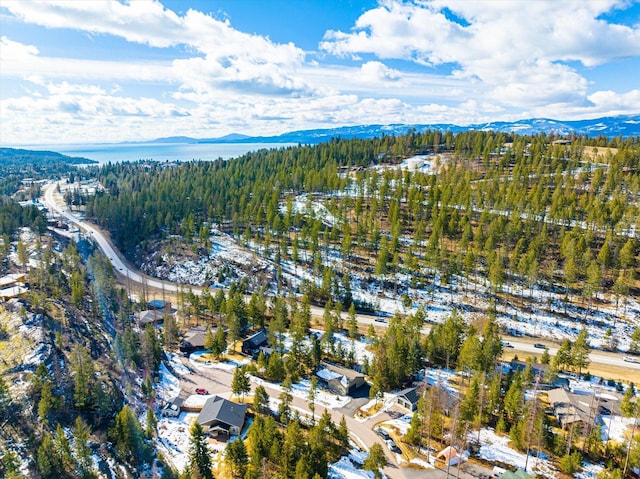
392,446
540,346
202,391
631,359
380,320
506,344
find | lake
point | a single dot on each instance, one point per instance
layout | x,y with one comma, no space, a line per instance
120,152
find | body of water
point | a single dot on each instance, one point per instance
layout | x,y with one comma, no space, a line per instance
120,152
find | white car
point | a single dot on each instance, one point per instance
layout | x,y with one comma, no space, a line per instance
631,359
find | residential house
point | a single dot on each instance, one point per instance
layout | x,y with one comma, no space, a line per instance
194,340
338,379
149,316
251,345
220,416
572,409
408,399
538,369
172,408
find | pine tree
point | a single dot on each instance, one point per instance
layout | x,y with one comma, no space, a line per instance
261,400
237,458
376,460
580,351
199,455
81,434
240,384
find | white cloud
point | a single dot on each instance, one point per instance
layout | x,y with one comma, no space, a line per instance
223,54
376,72
506,60
515,49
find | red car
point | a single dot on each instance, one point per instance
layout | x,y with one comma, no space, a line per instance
201,391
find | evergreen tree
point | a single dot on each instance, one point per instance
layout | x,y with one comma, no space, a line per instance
199,465
240,384
236,457
81,434
580,351
261,400
376,460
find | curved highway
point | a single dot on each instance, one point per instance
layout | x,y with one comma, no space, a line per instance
56,205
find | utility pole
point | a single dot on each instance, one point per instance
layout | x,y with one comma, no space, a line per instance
532,420
633,431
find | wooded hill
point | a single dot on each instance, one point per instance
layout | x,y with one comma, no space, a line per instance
513,208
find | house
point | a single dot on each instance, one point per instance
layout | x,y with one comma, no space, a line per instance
172,408
150,316
13,292
338,379
12,280
194,340
449,455
408,399
538,369
572,409
158,304
251,346
220,416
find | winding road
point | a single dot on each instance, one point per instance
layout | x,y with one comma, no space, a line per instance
54,202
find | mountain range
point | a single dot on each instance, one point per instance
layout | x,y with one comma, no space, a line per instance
624,126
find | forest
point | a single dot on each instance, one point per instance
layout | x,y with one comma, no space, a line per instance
515,209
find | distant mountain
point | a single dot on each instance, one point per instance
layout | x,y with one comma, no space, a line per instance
625,126
17,157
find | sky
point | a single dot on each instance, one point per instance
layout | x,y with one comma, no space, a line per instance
105,70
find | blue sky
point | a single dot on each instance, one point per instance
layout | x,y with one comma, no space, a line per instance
78,71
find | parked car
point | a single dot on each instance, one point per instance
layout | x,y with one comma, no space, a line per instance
202,391
382,433
392,446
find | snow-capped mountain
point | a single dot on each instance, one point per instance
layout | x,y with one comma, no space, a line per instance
625,126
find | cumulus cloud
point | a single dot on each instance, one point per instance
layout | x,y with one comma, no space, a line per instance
376,72
410,61
222,52
518,50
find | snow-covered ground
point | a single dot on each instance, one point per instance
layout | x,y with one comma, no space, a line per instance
546,315
496,448
173,433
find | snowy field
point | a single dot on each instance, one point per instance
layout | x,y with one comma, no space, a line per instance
547,316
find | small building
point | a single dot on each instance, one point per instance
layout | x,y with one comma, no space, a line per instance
194,340
251,345
159,304
220,416
13,292
338,379
149,316
408,399
572,409
172,408
449,455
12,279
538,369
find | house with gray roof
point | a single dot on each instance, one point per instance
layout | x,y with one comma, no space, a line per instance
408,399
194,340
338,379
220,416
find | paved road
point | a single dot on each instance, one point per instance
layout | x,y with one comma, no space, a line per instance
218,381
54,202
